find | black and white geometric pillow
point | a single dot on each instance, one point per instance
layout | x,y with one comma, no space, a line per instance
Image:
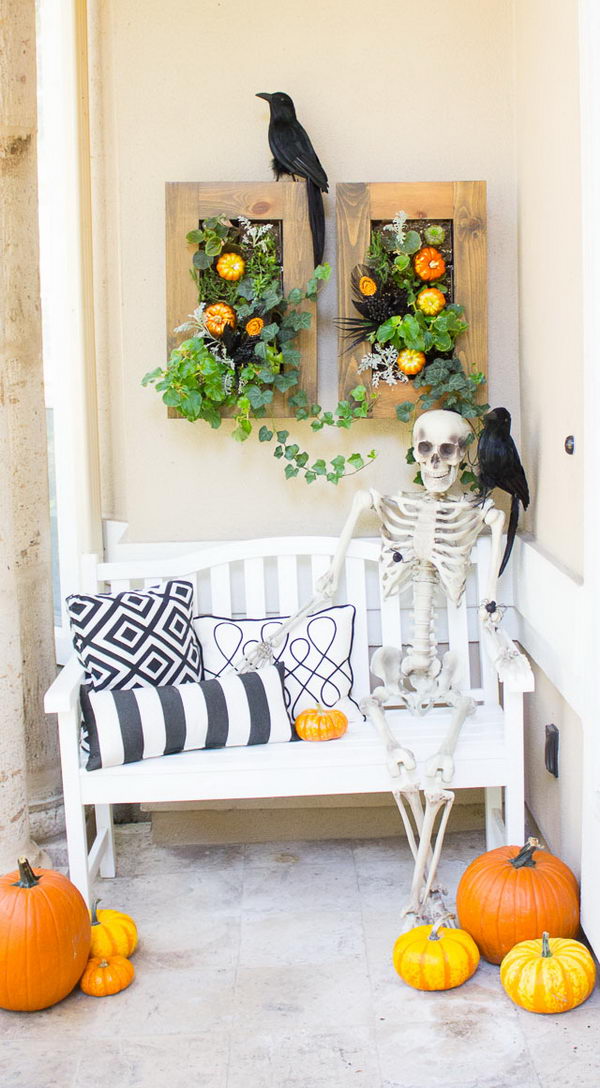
126,726
316,654
136,639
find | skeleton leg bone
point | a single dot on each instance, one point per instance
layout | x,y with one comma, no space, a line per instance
419,906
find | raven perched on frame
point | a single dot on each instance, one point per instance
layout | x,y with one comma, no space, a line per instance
293,153
500,466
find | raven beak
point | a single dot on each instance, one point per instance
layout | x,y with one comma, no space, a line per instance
263,94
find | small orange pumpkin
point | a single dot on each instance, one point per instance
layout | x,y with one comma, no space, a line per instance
429,263
107,976
44,938
321,723
231,266
410,362
431,301
255,326
217,316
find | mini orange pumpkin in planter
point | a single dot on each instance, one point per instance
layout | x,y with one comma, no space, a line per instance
217,316
321,723
410,362
429,263
231,266
107,976
431,301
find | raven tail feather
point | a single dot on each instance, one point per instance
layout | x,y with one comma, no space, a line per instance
513,521
316,217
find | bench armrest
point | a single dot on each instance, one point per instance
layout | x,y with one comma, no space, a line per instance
63,694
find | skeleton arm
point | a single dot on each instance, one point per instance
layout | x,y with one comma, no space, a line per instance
328,583
262,652
512,667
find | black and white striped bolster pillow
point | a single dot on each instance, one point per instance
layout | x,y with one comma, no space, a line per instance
139,723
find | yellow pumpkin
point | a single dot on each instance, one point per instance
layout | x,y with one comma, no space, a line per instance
429,263
320,723
107,975
410,362
113,933
217,316
430,301
231,266
254,326
435,957
550,975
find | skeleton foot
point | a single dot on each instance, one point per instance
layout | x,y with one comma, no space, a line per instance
425,902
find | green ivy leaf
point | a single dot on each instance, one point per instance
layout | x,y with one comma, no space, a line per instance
310,477
405,410
195,237
265,435
410,455
291,451
269,332
338,463
295,296
290,471
282,436
283,382
278,451
201,260
301,459
319,468
356,461
291,355
333,478
359,393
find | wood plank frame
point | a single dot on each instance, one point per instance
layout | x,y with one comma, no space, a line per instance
189,202
361,204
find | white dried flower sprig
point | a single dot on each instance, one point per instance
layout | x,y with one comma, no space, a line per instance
195,322
382,362
396,227
254,234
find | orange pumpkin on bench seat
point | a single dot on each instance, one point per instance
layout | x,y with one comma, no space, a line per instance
321,723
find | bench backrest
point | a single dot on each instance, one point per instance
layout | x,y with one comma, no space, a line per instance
275,576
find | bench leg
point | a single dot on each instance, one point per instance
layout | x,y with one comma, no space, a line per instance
68,726
514,791
494,824
104,822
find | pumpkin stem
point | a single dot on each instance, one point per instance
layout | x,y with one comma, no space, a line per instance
524,858
546,950
27,877
434,935
103,963
95,902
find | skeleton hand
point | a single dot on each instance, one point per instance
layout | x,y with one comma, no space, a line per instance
441,763
257,656
514,670
327,584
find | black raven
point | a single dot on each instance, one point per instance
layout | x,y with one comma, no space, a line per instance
500,466
293,153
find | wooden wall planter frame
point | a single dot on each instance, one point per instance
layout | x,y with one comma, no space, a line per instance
189,202
464,202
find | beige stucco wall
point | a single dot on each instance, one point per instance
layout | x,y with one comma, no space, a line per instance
550,276
387,91
551,364
554,802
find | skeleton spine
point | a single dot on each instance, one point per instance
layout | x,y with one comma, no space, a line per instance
423,647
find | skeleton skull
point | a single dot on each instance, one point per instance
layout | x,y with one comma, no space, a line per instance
440,441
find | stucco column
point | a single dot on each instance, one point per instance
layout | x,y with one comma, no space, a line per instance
29,764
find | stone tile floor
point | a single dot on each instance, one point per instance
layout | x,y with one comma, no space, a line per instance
268,966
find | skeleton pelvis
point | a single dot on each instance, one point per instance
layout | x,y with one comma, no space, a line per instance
414,685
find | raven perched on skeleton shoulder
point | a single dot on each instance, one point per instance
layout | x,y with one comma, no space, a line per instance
294,154
500,466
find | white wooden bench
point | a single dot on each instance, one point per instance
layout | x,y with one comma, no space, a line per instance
271,577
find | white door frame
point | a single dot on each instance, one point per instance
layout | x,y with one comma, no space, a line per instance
589,45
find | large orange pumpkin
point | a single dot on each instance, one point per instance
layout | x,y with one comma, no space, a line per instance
510,895
44,938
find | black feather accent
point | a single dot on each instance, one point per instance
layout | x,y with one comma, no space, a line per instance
500,466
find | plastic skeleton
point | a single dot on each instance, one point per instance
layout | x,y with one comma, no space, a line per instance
427,539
